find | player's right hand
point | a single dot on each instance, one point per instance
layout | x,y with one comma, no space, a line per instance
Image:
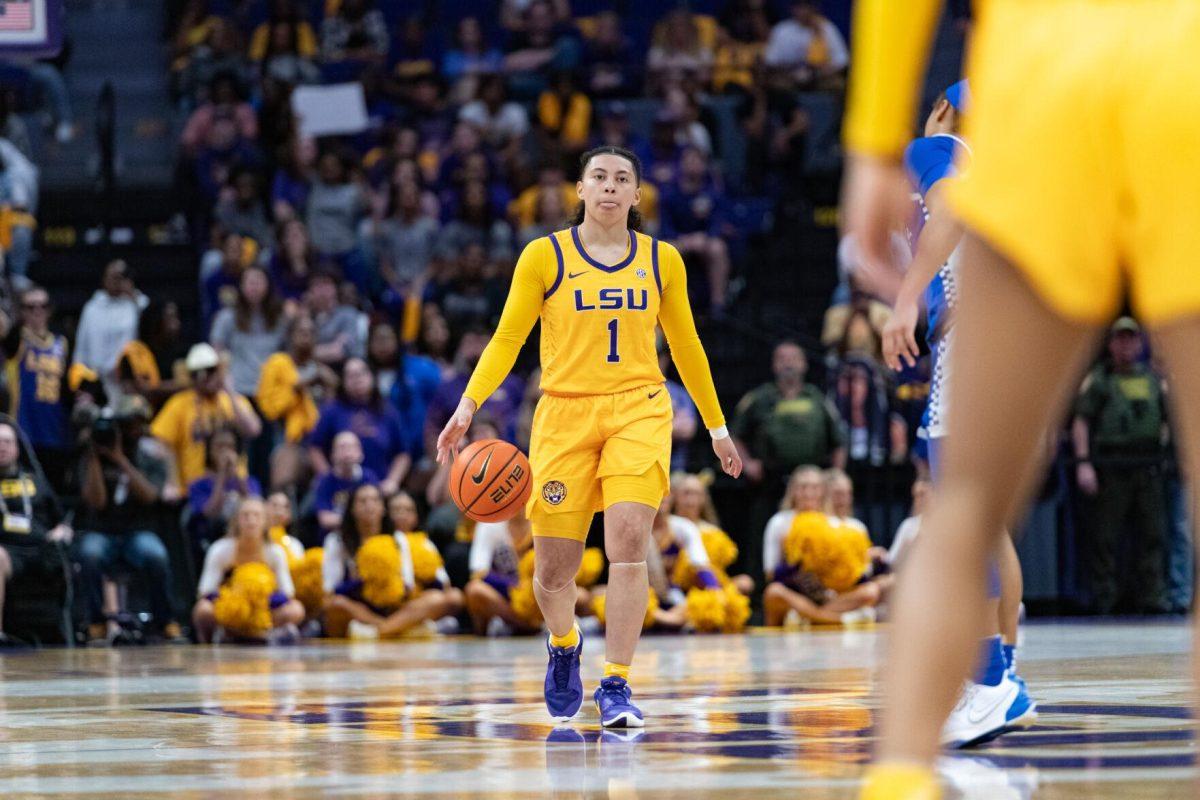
456,428
875,202
899,336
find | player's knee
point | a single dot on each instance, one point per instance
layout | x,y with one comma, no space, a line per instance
554,577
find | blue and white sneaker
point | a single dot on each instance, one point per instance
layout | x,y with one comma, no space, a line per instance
981,713
564,686
1023,711
613,703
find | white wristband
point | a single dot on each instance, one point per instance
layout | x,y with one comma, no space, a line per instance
719,433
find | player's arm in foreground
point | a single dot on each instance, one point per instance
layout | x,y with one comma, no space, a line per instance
521,311
940,235
891,46
687,351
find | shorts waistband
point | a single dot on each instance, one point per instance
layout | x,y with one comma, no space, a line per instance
641,388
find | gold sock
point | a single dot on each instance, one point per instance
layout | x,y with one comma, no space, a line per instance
615,670
900,781
570,640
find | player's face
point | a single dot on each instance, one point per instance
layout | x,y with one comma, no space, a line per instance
609,188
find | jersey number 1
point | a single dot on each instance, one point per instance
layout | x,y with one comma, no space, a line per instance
613,355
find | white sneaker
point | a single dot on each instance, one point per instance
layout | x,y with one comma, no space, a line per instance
361,630
498,627
981,714
447,625
860,616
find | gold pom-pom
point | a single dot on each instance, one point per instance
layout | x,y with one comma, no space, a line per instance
720,548
706,609
590,568
525,565
524,604
737,610
378,562
835,554
426,559
598,607
306,575
243,605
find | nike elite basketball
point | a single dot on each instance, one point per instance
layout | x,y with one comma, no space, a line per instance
489,481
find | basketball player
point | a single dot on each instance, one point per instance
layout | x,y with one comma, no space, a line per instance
601,436
995,700
1082,123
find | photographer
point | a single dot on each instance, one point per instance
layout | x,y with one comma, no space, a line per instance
123,475
32,531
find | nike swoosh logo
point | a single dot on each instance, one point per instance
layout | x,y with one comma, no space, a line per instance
975,718
653,395
478,476
572,275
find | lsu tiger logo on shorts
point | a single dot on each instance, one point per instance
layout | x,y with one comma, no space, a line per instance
553,492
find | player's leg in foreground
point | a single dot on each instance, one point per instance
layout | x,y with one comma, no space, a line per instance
1179,344
1019,365
557,561
626,537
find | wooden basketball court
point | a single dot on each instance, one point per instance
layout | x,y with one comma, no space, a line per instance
766,714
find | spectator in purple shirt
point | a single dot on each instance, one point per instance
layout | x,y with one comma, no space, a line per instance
335,486
692,220
503,406
213,497
358,408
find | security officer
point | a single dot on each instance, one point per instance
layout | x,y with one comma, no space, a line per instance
1119,433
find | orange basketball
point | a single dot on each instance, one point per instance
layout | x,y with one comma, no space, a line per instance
490,481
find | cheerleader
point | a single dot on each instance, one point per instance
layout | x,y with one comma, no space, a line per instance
793,590
496,551
366,517
692,518
246,541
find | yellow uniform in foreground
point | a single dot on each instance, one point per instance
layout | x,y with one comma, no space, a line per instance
602,430
1083,124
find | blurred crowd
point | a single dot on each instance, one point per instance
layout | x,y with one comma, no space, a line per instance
284,414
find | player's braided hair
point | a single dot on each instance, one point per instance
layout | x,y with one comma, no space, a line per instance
634,222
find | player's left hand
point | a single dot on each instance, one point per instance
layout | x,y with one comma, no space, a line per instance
727,452
875,202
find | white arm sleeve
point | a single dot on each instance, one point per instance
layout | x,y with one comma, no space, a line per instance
333,568
276,559
773,536
687,536
216,562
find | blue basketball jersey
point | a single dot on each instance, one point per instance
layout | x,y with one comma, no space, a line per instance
929,160
36,376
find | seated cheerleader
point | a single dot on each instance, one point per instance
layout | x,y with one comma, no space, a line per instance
246,542
279,522
496,551
366,517
429,571
791,590
692,518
